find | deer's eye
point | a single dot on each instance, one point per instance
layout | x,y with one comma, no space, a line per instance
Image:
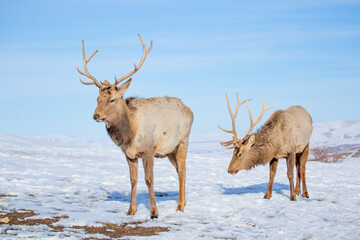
239,155
112,100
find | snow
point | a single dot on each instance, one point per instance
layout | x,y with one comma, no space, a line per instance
88,181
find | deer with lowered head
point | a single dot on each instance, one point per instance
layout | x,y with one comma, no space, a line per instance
286,134
143,128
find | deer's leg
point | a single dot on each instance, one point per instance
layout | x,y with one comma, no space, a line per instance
290,161
303,160
133,169
172,158
148,162
181,171
181,175
298,176
273,166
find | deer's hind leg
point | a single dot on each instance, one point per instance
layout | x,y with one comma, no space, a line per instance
303,159
298,176
172,158
290,162
178,159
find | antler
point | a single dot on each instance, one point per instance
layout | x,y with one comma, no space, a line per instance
253,123
117,81
86,73
137,67
234,141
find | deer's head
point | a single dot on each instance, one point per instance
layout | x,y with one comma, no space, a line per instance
242,155
110,102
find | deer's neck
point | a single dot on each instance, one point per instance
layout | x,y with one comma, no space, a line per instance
121,132
261,153
265,154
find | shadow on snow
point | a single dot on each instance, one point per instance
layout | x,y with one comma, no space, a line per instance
256,188
142,197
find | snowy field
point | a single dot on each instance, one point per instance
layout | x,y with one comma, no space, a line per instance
88,181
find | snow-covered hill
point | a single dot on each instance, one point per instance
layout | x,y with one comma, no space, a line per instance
7,140
87,181
337,133
336,141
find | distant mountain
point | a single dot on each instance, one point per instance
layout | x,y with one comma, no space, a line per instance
7,140
336,133
335,141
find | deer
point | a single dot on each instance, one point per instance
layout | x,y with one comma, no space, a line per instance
143,128
286,134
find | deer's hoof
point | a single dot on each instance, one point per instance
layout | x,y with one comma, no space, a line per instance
131,211
267,196
180,207
154,216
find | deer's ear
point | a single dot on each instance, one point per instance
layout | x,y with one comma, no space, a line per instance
122,89
251,140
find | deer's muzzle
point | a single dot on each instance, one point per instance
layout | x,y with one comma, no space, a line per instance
98,118
232,172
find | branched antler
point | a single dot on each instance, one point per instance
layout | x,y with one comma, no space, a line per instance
234,141
136,67
117,81
86,73
252,122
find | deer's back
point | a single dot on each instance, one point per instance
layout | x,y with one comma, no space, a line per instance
162,123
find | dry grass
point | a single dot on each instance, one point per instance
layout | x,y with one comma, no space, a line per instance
109,230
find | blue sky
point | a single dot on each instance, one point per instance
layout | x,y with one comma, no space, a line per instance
291,52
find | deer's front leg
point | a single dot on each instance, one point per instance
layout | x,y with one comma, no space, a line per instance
148,162
133,169
290,162
273,166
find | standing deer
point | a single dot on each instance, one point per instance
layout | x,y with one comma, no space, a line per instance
285,135
144,128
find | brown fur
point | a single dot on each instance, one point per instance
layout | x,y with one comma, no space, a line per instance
120,133
285,135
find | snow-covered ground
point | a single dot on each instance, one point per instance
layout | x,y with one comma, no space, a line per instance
88,181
